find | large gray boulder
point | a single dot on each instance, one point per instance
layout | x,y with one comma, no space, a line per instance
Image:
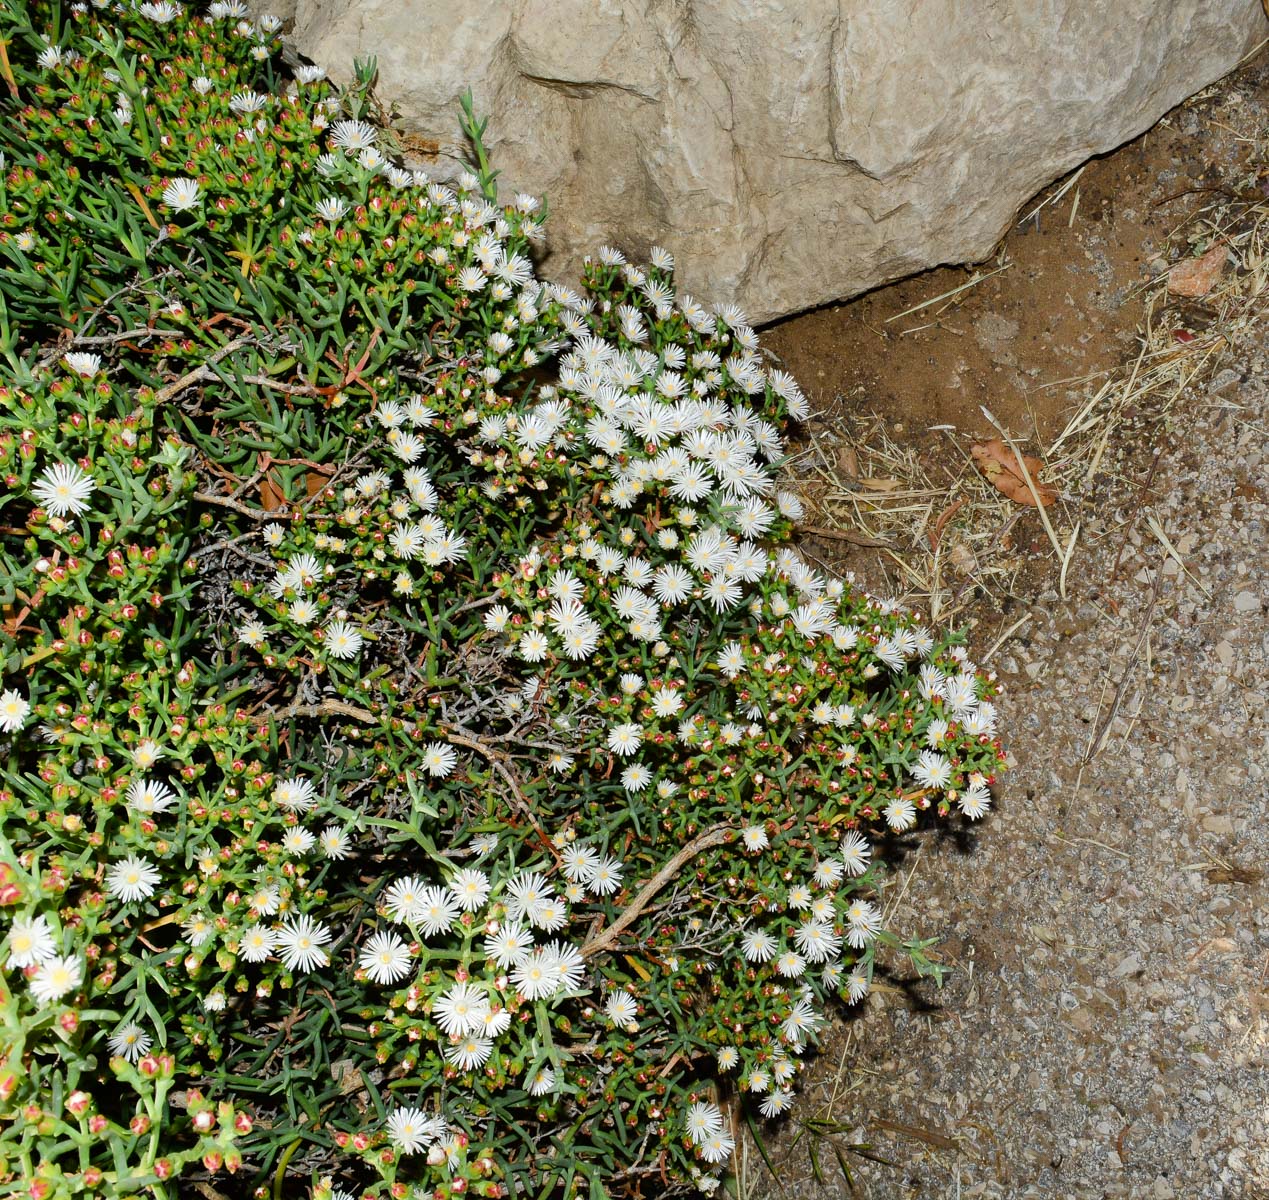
788,152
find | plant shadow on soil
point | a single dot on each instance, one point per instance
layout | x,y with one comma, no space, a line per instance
1056,308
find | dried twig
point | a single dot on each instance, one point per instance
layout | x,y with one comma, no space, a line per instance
842,535
599,942
497,762
200,373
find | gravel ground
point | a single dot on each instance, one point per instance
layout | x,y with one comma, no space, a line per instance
1105,1032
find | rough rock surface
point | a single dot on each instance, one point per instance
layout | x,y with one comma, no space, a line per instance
789,152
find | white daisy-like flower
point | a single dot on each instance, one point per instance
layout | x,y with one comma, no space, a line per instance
717,1147
856,853
828,873
580,861
301,943
801,1021
469,1053
606,878
497,1022
790,964
755,838
932,770
146,753
727,1058
549,914
509,945
439,759
857,984
411,1130
731,660
149,796
961,694
975,802
900,814
622,1009
352,136
331,209
63,489
298,841
56,975
537,975
758,946
14,710
540,1082
302,612
252,633
132,879
342,640
703,1119
569,962
817,941
295,794
470,887
257,943
863,923
265,900
759,1080
84,365
625,739
532,646
31,942
182,194
777,1103
636,777
246,102
526,891
385,958
129,1041
334,842
436,911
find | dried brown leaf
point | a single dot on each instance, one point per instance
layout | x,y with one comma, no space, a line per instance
271,495
997,463
1197,276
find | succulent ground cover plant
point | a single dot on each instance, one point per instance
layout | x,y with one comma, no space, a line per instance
428,768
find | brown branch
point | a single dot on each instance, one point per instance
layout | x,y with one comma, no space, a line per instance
291,389
256,514
496,761
200,373
841,535
599,942
329,708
